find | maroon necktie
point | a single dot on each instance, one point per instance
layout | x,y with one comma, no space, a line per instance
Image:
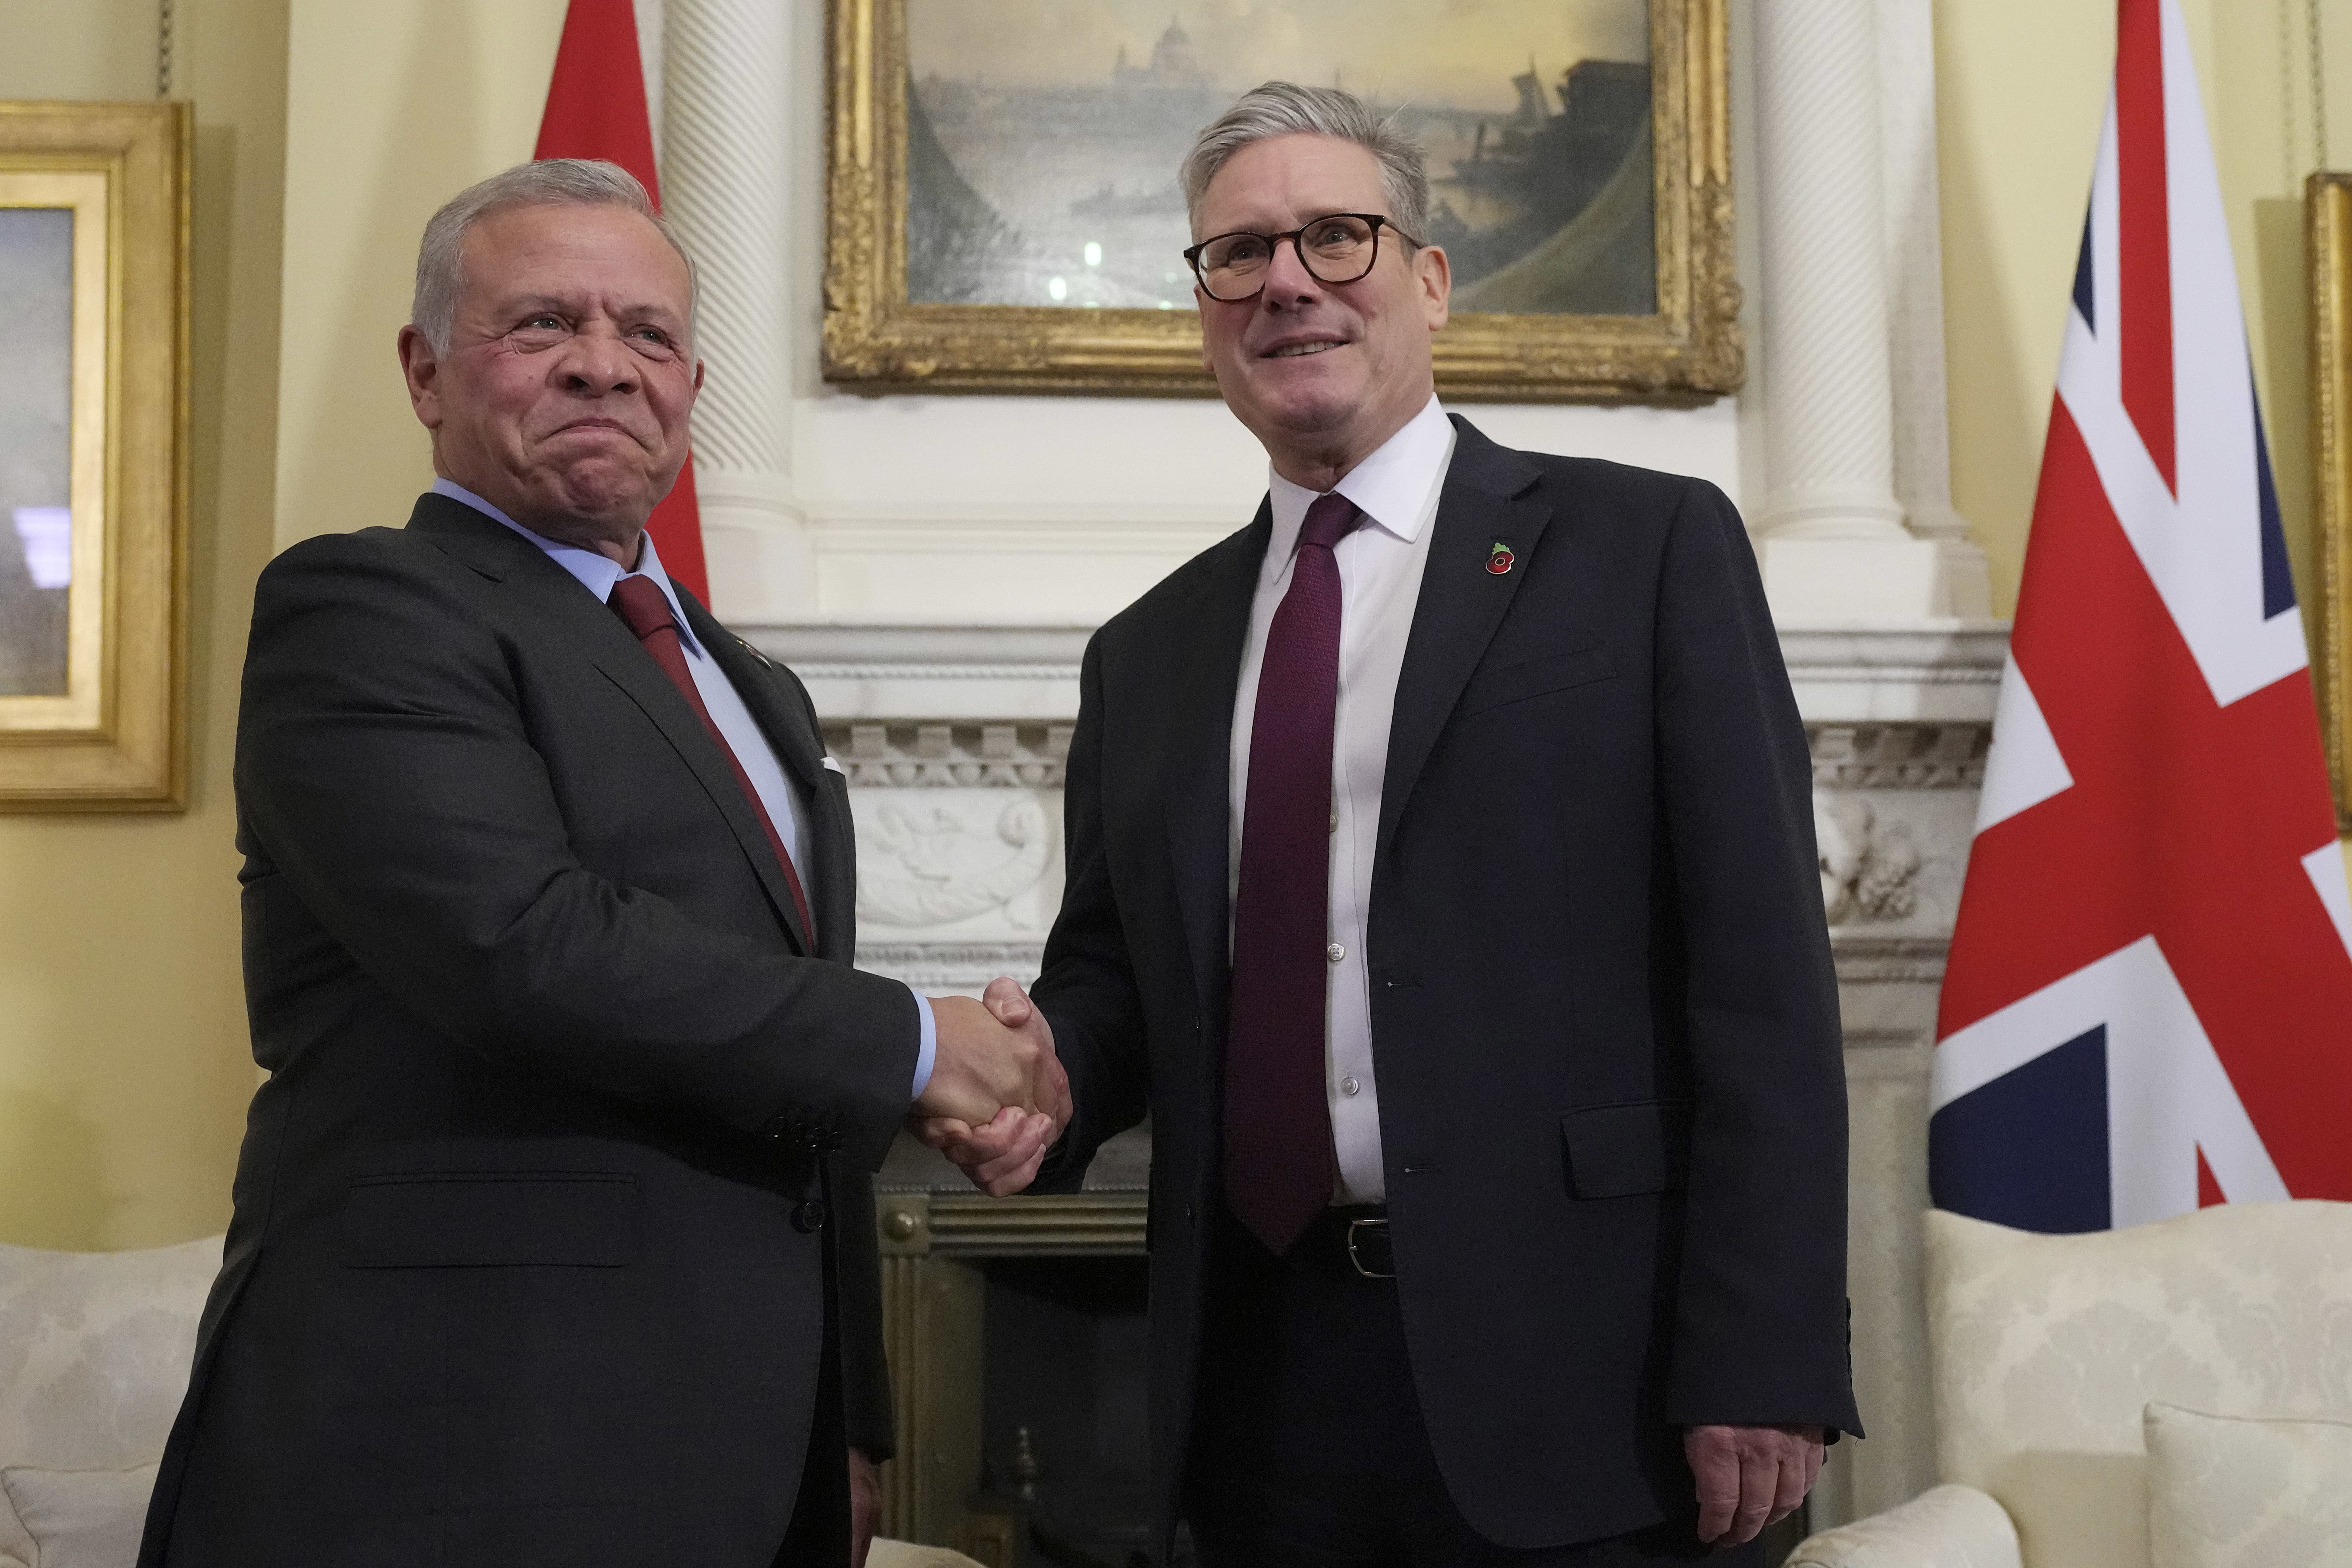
1278,1160
642,605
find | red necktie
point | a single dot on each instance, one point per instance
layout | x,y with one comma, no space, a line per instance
642,605
1278,1159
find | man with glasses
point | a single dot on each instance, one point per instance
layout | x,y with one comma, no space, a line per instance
1442,882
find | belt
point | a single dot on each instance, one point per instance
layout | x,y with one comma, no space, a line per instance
1363,1235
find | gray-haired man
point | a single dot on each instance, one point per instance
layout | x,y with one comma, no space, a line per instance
548,907
1442,881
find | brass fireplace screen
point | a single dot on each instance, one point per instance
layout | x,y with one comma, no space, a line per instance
1014,1330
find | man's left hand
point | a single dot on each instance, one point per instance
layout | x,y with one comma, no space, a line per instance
1749,1476
864,1505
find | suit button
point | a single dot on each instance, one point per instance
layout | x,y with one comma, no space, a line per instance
809,1218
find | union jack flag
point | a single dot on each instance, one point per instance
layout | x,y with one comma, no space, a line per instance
2148,1003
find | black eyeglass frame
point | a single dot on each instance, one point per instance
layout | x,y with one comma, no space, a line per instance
1298,245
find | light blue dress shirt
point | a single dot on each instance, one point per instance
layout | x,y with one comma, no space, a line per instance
777,793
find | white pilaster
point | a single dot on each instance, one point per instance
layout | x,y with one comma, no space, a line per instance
728,128
1915,274
1833,544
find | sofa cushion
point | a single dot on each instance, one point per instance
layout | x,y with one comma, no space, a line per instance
94,1351
80,1519
15,1546
2048,1348
2228,1491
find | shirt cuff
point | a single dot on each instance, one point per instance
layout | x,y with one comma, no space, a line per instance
927,1050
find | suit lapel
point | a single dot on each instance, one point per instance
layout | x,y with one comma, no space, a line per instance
1207,659
1462,603
753,676
556,597
632,669
831,880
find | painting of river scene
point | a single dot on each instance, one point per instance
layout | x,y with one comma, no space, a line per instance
1043,139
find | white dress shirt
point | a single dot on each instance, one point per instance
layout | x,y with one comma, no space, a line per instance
777,791
1380,564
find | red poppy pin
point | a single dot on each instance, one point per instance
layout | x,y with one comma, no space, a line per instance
1499,559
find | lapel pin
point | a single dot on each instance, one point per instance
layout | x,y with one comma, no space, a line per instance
1499,559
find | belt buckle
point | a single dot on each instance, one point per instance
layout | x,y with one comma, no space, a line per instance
1356,1257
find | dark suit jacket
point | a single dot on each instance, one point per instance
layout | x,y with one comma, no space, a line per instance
1613,1110
525,1264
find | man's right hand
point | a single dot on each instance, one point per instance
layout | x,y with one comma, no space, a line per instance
1749,1476
984,1065
1002,1154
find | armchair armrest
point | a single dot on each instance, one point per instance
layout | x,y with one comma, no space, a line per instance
1947,1527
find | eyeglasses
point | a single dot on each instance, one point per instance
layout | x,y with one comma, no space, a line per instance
1339,248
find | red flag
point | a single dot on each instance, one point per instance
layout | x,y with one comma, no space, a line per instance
596,109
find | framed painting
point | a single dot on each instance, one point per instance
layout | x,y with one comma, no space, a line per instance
2327,235
93,455
1003,215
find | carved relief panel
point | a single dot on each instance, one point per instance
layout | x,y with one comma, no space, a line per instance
1893,805
958,846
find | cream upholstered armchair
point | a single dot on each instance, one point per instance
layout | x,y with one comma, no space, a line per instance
94,1353
2171,1396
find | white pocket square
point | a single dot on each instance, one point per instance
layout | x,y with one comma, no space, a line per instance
836,767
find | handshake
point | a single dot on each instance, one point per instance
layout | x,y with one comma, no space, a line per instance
998,1097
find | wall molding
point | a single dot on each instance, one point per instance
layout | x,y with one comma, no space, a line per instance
936,755
1944,755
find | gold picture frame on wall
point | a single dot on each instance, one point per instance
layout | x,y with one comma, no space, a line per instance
2327,234
976,153
93,455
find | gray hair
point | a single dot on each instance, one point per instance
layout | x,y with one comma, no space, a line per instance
549,183
1286,109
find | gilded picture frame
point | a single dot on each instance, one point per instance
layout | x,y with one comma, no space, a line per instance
1687,348
94,228
2328,232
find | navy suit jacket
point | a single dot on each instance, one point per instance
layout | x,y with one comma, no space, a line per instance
529,1261
1605,1024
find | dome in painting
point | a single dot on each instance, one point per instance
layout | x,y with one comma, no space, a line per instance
1174,58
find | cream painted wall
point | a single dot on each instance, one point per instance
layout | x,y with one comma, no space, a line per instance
124,1067
392,108
92,49
2021,86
